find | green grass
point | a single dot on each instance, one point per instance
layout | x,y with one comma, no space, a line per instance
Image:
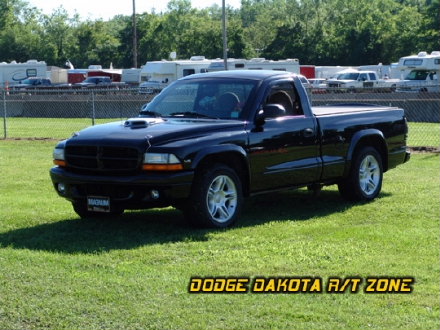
420,134
424,134
132,272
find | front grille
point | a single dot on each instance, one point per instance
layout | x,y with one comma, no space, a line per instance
103,158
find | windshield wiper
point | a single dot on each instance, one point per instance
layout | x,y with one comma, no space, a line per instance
189,114
149,113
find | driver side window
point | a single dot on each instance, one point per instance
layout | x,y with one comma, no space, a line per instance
285,95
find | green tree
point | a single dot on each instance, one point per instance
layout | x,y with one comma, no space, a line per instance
58,35
430,26
19,31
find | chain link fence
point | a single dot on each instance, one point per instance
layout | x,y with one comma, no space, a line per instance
56,114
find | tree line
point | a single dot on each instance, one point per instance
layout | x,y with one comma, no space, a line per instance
320,32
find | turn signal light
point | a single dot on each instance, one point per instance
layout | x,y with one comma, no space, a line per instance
60,162
162,167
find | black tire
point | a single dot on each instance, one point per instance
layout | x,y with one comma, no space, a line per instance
216,198
364,181
81,210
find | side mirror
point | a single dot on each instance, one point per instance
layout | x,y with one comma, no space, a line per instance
273,111
269,111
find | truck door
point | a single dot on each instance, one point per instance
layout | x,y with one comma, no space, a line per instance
284,151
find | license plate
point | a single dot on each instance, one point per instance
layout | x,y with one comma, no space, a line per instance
98,204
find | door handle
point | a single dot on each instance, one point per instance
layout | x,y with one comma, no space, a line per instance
308,132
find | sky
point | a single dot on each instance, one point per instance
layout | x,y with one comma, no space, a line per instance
106,9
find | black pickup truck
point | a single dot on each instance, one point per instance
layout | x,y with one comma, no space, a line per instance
209,140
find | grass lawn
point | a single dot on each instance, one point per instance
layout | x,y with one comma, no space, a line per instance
424,134
132,272
420,134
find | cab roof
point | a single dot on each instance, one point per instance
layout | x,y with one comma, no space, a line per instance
242,74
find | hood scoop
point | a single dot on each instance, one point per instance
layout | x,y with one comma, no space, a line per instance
142,122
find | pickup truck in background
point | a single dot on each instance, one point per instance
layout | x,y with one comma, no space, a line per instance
38,83
151,87
99,82
209,140
356,81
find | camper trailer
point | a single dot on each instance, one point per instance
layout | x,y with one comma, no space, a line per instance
13,73
424,70
288,65
156,75
131,76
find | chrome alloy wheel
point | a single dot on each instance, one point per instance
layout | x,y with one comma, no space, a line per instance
369,175
222,198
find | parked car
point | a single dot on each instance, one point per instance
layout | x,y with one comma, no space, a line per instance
99,81
356,81
38,83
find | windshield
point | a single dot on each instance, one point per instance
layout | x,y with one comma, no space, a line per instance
348,76
202,98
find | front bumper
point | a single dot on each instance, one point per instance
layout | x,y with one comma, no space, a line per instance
128,192
407,156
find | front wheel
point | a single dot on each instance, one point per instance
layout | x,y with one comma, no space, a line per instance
216,198
365,178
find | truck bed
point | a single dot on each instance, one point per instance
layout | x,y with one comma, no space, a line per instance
327,110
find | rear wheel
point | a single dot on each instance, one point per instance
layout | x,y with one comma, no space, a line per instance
365,178
216,198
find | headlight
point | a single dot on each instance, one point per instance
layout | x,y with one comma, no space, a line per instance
58,157
161,162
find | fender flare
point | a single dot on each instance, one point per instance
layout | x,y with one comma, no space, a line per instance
358,137
218,150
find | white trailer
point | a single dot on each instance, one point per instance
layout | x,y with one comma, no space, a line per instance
289,65
131,76
13,73
424,70
330,72
161,73
57,75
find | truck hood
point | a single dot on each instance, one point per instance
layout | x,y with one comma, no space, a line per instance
84,84
415,82
144,132
340,81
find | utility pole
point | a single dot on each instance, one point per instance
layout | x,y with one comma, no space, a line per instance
135,55
225,40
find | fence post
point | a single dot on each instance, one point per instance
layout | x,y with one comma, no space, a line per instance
5,134
93,108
